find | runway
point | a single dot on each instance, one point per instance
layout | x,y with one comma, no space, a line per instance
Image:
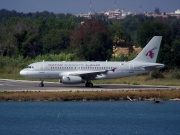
19,85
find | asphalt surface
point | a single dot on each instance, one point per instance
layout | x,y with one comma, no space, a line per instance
17,85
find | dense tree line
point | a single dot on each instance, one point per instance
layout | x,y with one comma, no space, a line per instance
41,33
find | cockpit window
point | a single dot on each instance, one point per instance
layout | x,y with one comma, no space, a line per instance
29,67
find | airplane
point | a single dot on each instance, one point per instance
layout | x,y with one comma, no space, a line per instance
85,71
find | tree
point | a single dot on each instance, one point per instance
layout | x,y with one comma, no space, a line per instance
144,33
157,11
8,46
119,35
150,29
4,45
175,54
92,41
175,29
56,41
27,38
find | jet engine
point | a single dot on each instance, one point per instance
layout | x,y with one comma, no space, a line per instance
71,80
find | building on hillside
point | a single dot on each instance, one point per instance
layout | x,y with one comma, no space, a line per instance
125,50
118,14
163,15
176,13
111,14
88,15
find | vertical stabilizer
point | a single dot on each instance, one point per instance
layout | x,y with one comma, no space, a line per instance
150,51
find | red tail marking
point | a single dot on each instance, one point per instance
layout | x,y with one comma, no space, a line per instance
113,69
151,53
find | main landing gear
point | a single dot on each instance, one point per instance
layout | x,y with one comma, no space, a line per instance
88,84
41,84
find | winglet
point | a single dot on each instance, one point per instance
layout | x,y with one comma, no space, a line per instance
150,51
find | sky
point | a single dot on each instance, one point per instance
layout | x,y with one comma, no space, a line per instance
83,6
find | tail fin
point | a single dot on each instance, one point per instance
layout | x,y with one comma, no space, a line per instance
150,51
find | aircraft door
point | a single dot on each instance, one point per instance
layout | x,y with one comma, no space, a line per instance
131,68
41,67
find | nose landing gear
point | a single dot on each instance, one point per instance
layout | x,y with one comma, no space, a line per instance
41,84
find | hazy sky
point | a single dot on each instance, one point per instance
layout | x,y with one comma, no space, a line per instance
82,6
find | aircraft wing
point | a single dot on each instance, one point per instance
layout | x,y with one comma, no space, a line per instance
90,74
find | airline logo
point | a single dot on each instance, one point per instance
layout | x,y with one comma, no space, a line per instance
151,53
113,69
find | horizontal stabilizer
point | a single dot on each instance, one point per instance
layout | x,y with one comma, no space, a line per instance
153,67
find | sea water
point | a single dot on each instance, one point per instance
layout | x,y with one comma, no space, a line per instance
90,118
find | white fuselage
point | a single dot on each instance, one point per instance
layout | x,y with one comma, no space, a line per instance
56,70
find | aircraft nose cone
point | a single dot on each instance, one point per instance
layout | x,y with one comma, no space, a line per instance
22,73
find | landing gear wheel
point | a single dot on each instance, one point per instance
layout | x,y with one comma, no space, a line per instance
41,84
88,84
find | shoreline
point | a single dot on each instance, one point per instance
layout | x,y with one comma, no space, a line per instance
138,95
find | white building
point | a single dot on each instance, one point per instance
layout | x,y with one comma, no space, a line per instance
176,13
118,14
84,15
111,14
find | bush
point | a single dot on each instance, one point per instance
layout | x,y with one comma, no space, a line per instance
55,57
157,75
13,62
176,75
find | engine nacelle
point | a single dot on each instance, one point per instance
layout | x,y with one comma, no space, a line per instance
71,80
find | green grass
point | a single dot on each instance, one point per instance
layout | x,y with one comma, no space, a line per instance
139,80
11,76
168,80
